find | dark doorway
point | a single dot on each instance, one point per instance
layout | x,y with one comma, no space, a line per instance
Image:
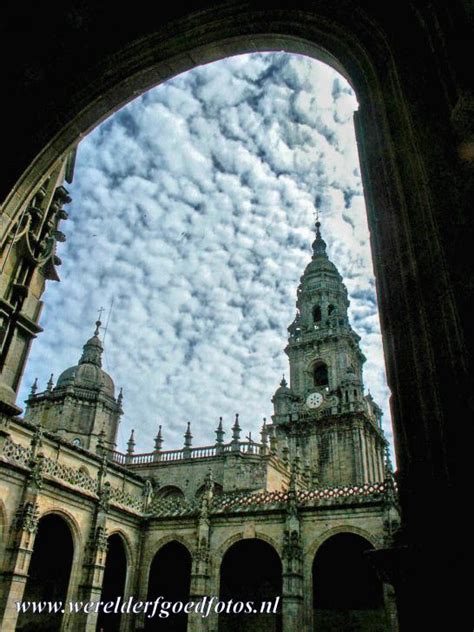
170,578
115,575
251,572
347,595
49,573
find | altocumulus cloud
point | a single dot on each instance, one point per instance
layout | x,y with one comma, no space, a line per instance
193,209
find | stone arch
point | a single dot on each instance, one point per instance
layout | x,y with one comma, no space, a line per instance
126,542
170,491
50,577
346,592
311,368
217,490
157,546
367,47
313,547
115,579
169,576
236,537
72,523
250,570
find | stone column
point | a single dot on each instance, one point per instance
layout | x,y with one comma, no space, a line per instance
22,535
200,564
292,597
95,557
18,556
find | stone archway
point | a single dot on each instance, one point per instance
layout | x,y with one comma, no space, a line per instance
113,585
409,126
48,574
170,579
347,594
250,573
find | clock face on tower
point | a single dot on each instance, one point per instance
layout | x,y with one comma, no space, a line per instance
314,400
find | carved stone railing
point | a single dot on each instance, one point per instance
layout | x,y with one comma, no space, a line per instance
75,477
130,501
203,452
71,475
15,453
232,502
173,506
344,493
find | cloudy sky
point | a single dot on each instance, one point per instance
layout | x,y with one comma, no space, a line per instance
192,211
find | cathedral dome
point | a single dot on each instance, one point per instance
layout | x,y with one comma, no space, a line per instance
89,373
283,390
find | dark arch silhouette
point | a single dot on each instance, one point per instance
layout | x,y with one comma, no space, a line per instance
170,491
347,594
49,573
170,578
320,374
113,586
412,111
251,571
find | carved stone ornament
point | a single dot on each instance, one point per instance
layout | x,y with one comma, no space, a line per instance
101,541
104,497
292,545
27,518
37,465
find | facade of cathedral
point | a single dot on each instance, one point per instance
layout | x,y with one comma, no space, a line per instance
289,518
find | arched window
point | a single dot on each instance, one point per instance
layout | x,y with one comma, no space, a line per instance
113,585
347,593
48,573
217,489
320,374
170,491
250,571
170,579
317,314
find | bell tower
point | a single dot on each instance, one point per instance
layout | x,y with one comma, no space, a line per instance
323,417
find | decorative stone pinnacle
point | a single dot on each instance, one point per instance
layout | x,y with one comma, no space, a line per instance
34,386
283,381
220,433
319,245
158,440
236,429
131,443
120,396
388,463
188,436
50,384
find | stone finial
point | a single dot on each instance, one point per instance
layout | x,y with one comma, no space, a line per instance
158,440
34,387
187,442
131,444
264,436
236,429
220,432
283,381
98,323
319,245
120,398
388,463
50,384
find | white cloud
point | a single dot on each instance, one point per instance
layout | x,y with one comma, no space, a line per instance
192,208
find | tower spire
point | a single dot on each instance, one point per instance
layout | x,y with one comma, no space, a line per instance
319,245
92,350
